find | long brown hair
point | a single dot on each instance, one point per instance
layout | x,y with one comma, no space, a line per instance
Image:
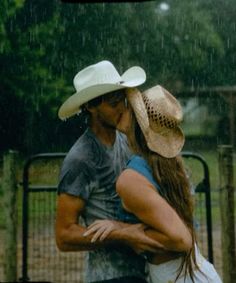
170,174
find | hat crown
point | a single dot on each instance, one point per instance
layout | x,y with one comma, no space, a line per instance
96,80
158,114
163,110
101,73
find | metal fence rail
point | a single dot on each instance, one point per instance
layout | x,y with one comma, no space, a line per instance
204,187
41,261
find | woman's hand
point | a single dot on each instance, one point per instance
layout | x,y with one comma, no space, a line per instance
137,239
101,229
125,120
132,91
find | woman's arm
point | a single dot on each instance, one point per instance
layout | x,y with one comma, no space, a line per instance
141,198
71,236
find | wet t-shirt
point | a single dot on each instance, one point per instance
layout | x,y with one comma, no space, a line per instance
90,171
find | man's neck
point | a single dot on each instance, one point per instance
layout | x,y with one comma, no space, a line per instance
106,135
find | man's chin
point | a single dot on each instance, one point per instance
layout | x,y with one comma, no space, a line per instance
109,126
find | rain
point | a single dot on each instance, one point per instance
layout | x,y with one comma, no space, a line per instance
187,46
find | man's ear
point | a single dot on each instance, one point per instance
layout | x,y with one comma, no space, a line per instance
90,108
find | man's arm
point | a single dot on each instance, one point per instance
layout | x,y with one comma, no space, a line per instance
70,234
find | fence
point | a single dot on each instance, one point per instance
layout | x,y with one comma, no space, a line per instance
38,257
39,252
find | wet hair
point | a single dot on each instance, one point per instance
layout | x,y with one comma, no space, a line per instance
85,113
171,176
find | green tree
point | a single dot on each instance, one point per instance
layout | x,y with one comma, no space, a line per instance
222,14
7,12
177,44
27,82
45,43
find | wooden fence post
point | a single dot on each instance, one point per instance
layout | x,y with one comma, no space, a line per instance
227,212
10,214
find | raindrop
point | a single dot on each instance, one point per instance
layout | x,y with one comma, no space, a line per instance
144,46
162,42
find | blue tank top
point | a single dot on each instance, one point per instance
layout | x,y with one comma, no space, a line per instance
140,165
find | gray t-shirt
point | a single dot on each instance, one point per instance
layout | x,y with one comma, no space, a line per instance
89,171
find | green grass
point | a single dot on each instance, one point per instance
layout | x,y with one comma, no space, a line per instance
196,169
41,205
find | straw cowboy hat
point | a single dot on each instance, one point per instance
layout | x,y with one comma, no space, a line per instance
158,114
96,80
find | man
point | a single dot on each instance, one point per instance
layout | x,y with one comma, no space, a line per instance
89,172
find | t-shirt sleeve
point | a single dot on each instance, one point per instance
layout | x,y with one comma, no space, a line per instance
141,166
77,180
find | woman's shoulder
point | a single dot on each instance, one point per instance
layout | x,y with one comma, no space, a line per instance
141,166
137,161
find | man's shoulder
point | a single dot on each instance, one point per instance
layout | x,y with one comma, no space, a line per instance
87,149
83,150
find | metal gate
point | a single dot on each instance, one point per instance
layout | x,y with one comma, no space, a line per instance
72,267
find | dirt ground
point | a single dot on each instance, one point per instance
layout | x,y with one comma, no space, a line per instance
45,262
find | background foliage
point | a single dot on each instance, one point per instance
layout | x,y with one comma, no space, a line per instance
43,44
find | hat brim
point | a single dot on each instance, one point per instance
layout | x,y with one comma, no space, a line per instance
133,77
167,144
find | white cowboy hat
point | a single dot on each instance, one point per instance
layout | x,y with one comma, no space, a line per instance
96,80
158,114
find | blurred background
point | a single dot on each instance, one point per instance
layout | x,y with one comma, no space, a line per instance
188,46
43,44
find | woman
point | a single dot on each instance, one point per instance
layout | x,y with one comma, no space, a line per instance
154,189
